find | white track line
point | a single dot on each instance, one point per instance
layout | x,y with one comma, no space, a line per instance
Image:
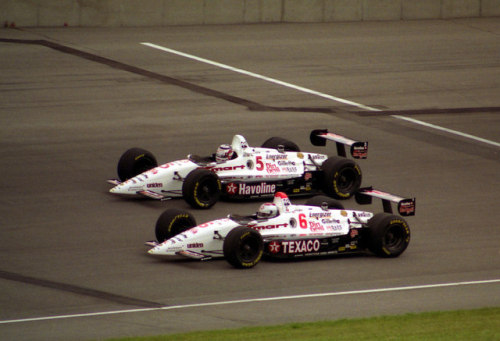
253,300
267,79
425,124
313,92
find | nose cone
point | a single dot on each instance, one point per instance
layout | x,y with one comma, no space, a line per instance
127,187
153,251
167,248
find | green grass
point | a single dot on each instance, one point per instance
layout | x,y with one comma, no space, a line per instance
480,324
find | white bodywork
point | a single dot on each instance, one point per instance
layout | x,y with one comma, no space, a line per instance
251,164
294,223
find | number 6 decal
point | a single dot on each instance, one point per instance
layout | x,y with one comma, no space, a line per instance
302,221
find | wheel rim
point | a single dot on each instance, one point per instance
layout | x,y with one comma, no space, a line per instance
394,238
346,180
206,191
249,249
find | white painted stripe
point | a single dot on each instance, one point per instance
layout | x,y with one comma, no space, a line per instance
313,92
253,300
455,132
255,75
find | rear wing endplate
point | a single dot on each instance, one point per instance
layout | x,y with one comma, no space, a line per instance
406,207
359,150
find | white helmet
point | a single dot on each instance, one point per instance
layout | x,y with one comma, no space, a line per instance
224,153
267,210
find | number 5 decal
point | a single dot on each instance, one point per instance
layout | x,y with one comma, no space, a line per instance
260,164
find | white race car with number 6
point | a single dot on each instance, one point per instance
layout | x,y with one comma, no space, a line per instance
279,229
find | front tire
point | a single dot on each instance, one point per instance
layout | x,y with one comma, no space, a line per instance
243,247
134,162
342,177
389,235
172,222
201,188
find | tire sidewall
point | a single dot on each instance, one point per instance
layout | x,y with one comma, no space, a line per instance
172,222
379,226
134,162
320,199
233,244
275,141
333,169
191,186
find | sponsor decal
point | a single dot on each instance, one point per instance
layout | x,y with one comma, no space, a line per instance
275,157
195,245
231,188
316,226
268,227
262,188
320,214
226,168
271,168
359,150
318,157
337,227
173,163
155,185
300,246
330,221
274,247
407,207
343,213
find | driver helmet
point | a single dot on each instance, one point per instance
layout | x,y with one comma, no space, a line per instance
224,153
267,210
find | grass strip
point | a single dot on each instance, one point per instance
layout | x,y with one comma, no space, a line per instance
478,324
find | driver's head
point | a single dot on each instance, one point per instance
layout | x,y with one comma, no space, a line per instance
224,153
267,210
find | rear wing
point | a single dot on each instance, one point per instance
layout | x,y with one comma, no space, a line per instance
406,207
359,150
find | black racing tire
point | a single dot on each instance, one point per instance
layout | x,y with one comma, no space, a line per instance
320,199
172,222
201,188
389,235
243,247
341,177
134,162
274,142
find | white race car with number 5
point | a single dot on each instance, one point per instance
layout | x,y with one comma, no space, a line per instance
281,230
238,171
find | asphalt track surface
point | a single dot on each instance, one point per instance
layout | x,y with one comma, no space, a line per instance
73,264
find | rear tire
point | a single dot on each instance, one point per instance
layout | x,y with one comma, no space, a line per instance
134,162
342,177
201,188
274,142
243,247
320,199
172,222
389,235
